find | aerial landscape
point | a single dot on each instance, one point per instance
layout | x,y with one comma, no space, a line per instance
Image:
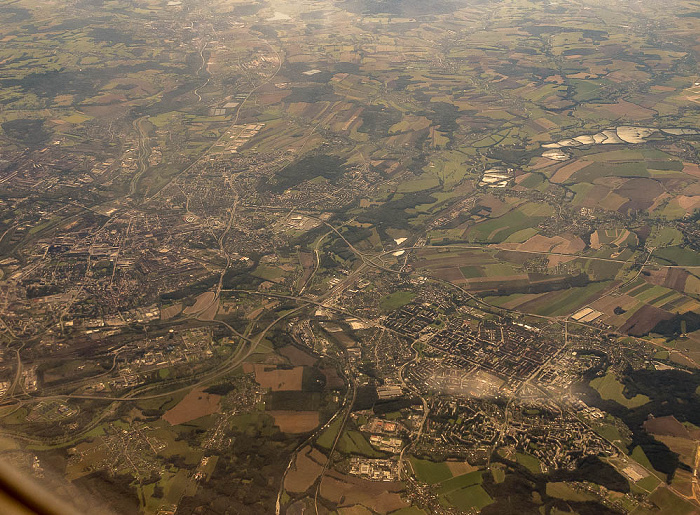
352,257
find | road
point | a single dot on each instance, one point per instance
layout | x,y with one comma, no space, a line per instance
18,376
236,359
306,442
203,65
246,348
317,257
426,410
220,242
205,155
144,154
346,415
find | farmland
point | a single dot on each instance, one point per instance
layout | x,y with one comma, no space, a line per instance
610,388
362,256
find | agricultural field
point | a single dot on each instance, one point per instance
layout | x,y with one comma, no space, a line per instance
396,300
566,492
529,462
353,257
194,405
431,472
610,388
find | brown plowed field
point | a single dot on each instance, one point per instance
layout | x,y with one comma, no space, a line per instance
644,320
567,171
454,275
305,470
279,379
666,426
691,169
348,490
297,356
295,421
195,404
641,193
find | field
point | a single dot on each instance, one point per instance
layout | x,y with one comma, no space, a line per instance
640,457
459,482
650,299
196,404
609,431
681,440
498,472
610,388
472,497
295,421
490,270
279,379
297,356
430,472
202,302
669,426
644,319
627,180
670,504
664,237
306,469
458,468
677,256
461,491
345,490
567,493
613,237
396,300
151,147
354,442
269,273
556,303
499,229
351,442
529,462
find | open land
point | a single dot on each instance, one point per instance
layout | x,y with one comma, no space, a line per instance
352,257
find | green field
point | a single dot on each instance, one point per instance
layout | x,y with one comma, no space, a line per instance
351,442
533,181
677,256
599,270
563,302
327,438
463,481
609,169
411,510
570,300
499,229
498,472
429,471
670,504
470,497
470,272
610,432
522,235
529,462
396,300
500,269
651,481
567,493
611,389
425,182
269,273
